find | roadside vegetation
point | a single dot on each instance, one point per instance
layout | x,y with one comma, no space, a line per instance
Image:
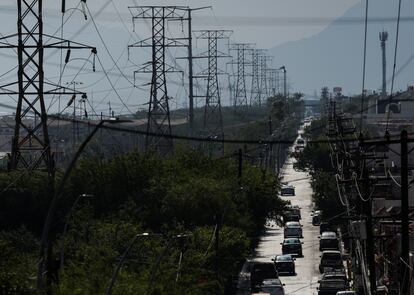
187,194
316,160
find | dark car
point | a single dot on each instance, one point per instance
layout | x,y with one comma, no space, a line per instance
285,264
328,241
287,190
331,287
261,271
292,246
289,216
335,275
331,260
325,226
316,219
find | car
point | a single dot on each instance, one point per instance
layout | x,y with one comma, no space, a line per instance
289,216
316,219
287,190
261,271
294,209
292,246
346,293
293,229
325,226
285,264
300,142
335,275
328,241
272,287
332,260
331,287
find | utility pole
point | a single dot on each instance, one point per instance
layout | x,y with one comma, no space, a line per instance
405,238
31,144
383,36
213,121
217,251
158,110
240,93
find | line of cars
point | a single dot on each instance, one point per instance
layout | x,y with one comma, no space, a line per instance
334,280
263,277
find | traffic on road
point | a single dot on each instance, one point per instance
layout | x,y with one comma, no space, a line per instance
299,254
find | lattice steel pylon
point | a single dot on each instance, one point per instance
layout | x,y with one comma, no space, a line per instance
240,92
212,121
263,69
255,89
31,144
158,111
273,81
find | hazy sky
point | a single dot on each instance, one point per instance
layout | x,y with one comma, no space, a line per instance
267,23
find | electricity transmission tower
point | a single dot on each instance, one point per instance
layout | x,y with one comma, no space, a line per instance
240,93
255,91
31,143
264,90
158,111
273,75
212,121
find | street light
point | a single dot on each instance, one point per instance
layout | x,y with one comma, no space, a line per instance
124,256
154,269
52,207
65,228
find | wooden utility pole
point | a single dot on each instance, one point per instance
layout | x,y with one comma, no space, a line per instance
405,242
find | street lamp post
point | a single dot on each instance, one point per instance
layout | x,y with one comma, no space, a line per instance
65,228
52,207
124,256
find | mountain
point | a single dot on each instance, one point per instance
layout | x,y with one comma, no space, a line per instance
334,57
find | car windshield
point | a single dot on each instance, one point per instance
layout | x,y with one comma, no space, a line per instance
284,258
332,256
293,224
291,241
329,234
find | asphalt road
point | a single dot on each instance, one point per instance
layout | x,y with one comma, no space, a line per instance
307,273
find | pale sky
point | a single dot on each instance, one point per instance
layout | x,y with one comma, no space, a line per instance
267,23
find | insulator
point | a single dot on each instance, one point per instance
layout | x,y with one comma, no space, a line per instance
67,56
71,100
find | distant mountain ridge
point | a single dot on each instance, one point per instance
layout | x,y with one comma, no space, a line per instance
334,56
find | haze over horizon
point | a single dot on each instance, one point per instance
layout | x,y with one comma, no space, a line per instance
297,33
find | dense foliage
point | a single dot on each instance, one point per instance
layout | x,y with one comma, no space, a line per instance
180,197
315,159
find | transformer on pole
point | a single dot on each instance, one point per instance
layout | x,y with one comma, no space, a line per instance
31,143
